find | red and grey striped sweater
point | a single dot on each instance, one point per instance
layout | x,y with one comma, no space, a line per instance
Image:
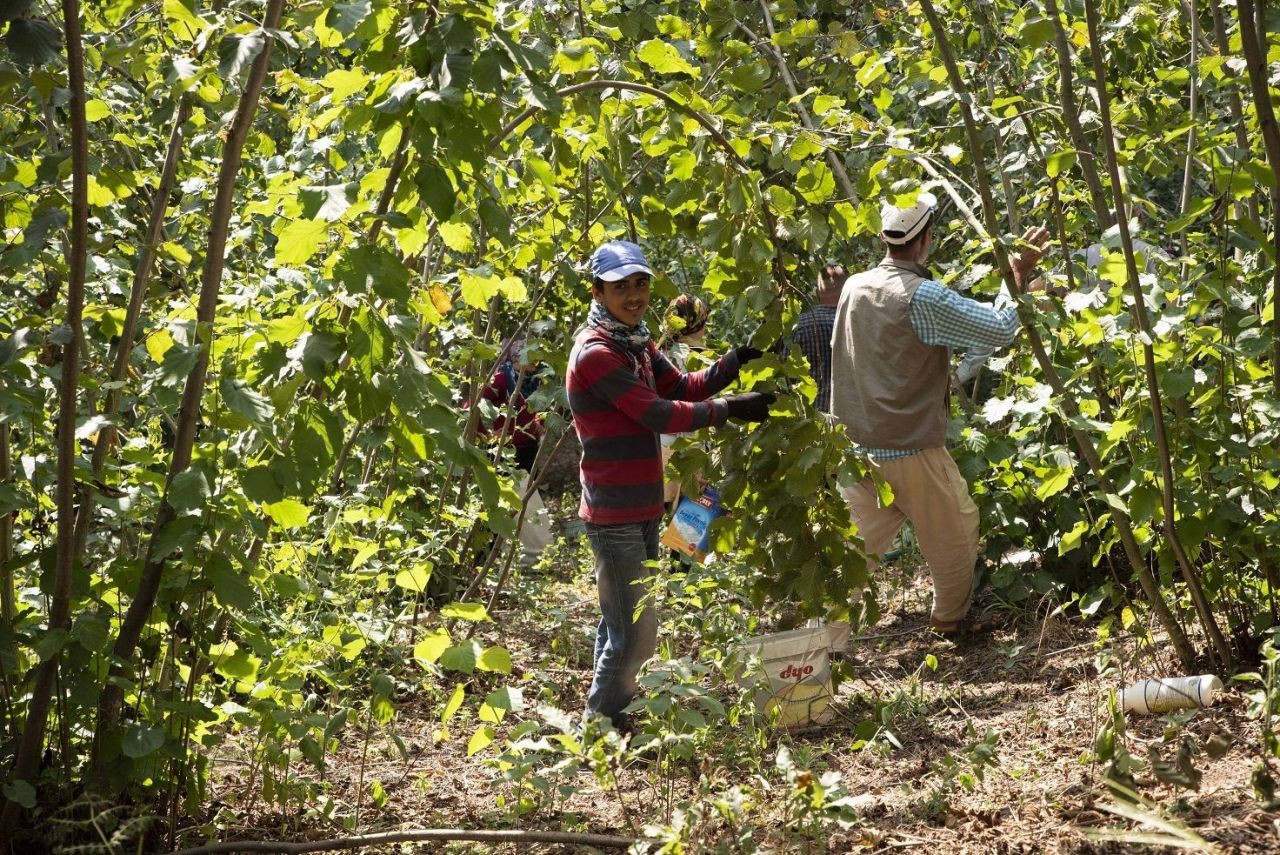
621,403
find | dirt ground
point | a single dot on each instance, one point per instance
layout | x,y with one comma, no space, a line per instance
1035,683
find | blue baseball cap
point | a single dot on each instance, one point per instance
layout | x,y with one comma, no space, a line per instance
618,259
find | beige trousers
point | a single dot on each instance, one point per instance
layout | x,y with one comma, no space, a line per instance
930,492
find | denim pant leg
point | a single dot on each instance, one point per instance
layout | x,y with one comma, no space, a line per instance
623,644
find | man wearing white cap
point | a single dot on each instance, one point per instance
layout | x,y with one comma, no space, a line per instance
624,393
891,354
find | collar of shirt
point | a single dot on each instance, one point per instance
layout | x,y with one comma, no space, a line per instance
910,266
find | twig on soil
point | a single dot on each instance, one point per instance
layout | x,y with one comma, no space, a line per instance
877,636
1067,649
432,834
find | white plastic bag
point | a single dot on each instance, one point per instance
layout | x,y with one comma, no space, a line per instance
535,534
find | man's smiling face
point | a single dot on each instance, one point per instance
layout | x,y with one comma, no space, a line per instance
626,299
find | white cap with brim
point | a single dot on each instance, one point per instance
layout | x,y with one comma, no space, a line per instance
618,259
901,225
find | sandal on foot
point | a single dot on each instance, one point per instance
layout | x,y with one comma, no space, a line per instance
965,628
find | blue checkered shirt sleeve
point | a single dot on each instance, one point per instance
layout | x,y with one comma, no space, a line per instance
812,335
941,316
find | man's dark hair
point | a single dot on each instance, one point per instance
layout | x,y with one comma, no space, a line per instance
904,248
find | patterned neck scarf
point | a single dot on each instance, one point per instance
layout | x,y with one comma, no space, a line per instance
634,339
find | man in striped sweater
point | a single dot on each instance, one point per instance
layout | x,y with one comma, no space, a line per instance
624,393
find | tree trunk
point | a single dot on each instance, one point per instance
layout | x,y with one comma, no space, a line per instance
29,749
1253,44
189,413
124,347
1189,574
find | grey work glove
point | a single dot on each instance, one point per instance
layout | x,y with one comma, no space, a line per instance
750,406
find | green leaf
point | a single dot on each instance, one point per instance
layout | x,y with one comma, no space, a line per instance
1060,161
436,189
51,644
370,268
815,182
237,51
183,21
140,741
346,17
239,665
178,534
382,708
189,490
481,739
326,202
479,286
415,578
432,647
466,611
286,329
245,401
44,224
400,96
499,703
317,436
1055,482
20,792
33,42
288,513
260,485
298,240
322,350
487,70
751,76
91,632
1037,32
96,110
229,587
1072,539
370,344
457,236
177,364
344,82
1197,209
461,657
495,659
664,58
453,704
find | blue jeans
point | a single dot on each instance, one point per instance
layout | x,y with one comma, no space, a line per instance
623,641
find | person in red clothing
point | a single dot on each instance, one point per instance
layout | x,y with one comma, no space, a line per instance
623,393
509,390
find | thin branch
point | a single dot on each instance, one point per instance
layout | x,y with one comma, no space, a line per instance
133,311
1193,95
1253,44
1071,115
565,838
1189,574
779,267
832,160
